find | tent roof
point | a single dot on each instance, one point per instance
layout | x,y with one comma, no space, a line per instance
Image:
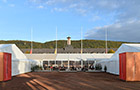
125,48
100,57
41,56
65,57
74,57
14,50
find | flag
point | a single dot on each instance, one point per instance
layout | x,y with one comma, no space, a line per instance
31,51
106,51
81,51
55,51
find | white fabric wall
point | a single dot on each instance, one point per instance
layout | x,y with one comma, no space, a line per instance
112,66
14,50
20,64
113,63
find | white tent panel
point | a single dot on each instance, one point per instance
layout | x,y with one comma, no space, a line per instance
85,57
103,65
126,48
73,57
113,63
41,56
123,48
14,50
20,64
62,57
100,57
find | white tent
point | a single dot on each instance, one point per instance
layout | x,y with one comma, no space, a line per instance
98,57
113,63
84,57
70,56
20,64
73,57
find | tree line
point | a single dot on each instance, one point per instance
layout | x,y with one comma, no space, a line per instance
62,44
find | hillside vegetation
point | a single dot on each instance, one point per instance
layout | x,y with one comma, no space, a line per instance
62,44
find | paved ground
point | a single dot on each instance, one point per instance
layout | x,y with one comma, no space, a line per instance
68,81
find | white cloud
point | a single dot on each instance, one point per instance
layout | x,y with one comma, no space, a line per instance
73,5
95,18
124,16
124,31
126,25
40,7
82,11
82,6
60,9
12,5
5,1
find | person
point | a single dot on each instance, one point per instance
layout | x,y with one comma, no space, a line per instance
51,68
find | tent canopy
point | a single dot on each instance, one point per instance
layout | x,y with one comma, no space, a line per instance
71,57
41,56
20,64
14,50
100,57
113,63
125,48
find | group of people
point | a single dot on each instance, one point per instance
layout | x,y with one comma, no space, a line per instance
71,68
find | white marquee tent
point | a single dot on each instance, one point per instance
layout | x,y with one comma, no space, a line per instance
66,57
20,64
73,57
113,63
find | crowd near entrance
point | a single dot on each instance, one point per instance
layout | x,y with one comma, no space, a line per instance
68,65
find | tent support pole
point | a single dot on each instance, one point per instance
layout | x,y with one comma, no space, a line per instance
88,65
75,64
61,63
81,63
42,65
48,64
55,63
68,64
94,63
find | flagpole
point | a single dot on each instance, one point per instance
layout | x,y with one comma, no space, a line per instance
56,46
106,41
31,41
56,42
81,40
81,48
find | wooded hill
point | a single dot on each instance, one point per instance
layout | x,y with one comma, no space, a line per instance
63,43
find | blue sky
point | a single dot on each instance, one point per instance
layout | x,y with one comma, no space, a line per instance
120,17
